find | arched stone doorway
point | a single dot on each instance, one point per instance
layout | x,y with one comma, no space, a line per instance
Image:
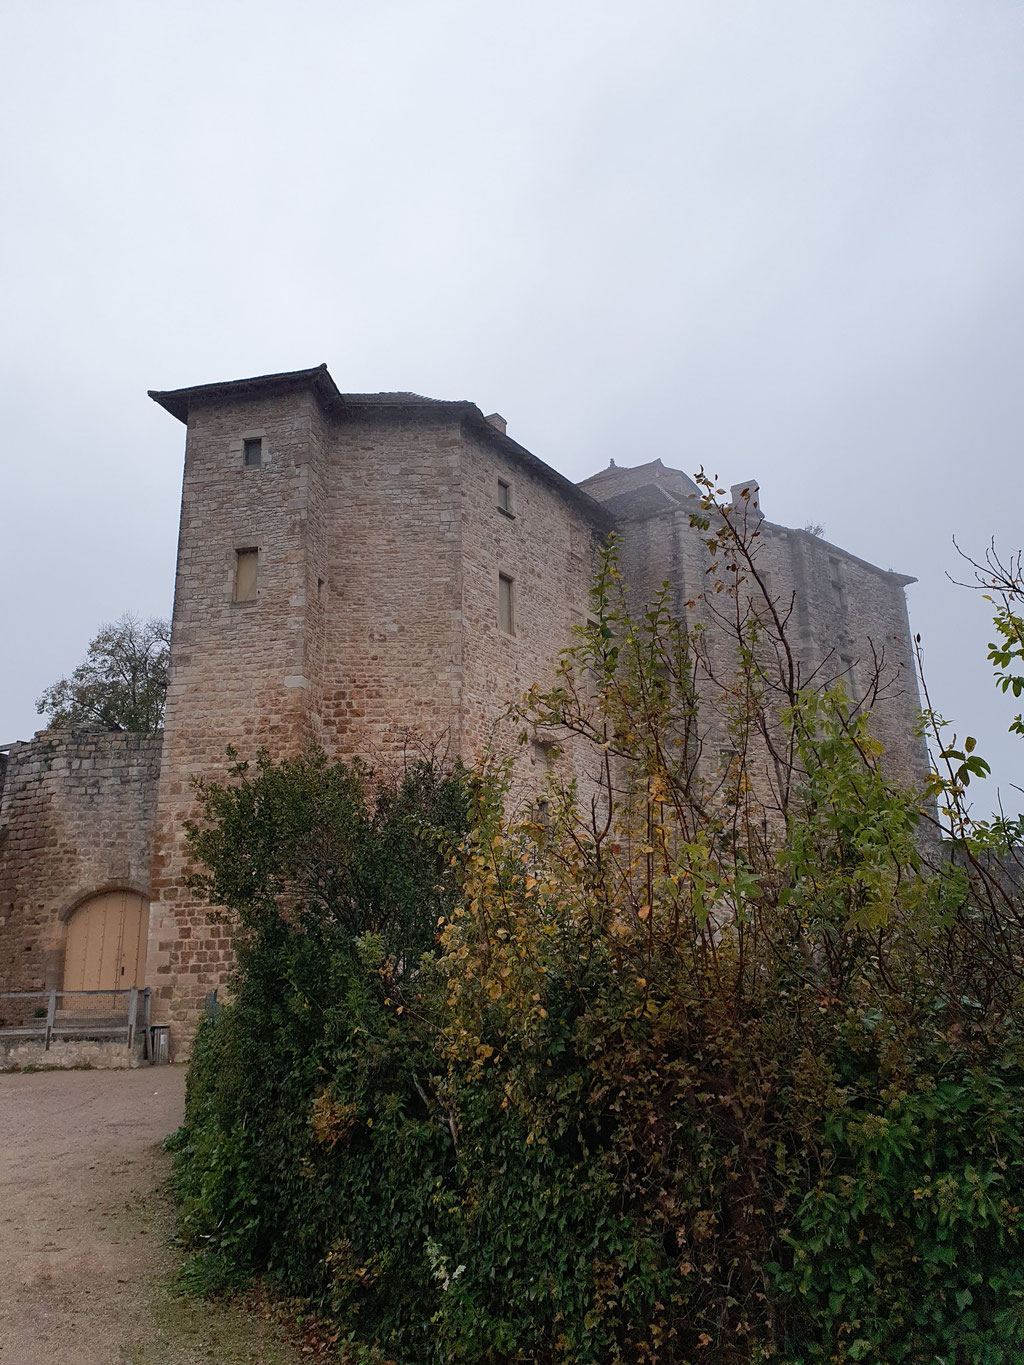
105,949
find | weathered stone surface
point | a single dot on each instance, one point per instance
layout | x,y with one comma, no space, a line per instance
76,817
29,1054
382,533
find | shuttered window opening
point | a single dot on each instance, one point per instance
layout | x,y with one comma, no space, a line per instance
246,567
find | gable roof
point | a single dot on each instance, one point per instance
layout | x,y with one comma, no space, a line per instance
617,479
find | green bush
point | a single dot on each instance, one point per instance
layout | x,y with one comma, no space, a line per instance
908,1246
704,1080
308,1151
547,1139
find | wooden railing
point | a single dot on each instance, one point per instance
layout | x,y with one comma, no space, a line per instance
101,1015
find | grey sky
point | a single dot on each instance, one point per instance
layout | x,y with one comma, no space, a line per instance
781,240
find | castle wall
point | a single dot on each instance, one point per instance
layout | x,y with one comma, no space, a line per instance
861,616
548,547
394,631
376,622
665,549
240,670
76,817
846,618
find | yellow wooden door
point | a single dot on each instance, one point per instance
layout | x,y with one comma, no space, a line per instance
106,943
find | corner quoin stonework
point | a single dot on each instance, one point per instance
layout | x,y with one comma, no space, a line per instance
381,534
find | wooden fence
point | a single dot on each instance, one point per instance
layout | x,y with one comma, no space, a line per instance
114,1016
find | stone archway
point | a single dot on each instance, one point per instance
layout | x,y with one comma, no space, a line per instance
105,948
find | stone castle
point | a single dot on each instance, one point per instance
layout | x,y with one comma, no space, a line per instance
353,568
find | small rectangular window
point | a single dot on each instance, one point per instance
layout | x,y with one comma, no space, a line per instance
246,567
506,620
505,497
252,451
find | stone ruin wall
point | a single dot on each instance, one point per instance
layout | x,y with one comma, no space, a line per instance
76,818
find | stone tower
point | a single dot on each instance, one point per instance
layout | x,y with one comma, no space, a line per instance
351,568
247,632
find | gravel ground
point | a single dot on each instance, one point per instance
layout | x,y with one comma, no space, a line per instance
86,1261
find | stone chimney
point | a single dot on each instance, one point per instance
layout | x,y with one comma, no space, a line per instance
746,501
497,421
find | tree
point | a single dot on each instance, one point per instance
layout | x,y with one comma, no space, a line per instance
122,683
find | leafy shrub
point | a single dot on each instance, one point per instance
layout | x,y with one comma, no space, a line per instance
908,1246
308,1151
702,1066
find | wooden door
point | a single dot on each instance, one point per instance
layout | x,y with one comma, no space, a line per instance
106,943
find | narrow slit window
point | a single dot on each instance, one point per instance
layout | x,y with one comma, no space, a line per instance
506,620
505,497
246,571
252,451
835,571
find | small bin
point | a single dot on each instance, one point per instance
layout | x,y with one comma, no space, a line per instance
159,1044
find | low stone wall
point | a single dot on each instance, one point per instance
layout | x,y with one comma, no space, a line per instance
76,818
30,1054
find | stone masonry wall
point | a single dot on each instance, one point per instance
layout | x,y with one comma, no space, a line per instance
76,817
240,671
548,547
381,542
847,608
842,608
70,1054
394,632
376,620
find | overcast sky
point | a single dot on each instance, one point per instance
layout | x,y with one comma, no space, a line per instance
781,240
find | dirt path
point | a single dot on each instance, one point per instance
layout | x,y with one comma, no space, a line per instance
85,1257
